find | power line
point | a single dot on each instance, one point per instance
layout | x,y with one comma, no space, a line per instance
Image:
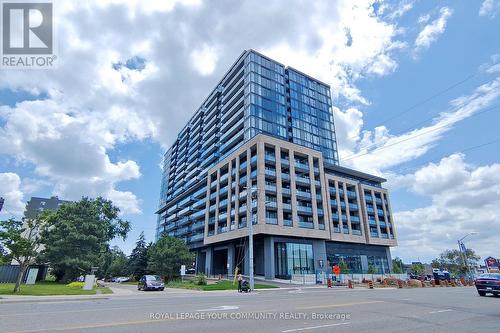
416,136
422,102
440,157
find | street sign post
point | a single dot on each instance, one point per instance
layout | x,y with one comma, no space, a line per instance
183,271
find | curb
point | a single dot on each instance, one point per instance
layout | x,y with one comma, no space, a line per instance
51,299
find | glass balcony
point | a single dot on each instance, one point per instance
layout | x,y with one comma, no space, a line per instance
300,165
303,194
287,206
304,209
302,180
287,223
356,232
196,237
306,224
353,206
355,219
271,188
271,173
271,220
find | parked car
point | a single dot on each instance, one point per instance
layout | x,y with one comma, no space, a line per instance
151,282
190,271
122,279
488,283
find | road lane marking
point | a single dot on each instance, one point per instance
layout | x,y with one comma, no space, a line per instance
338,305
85,327
313,327
441,311
220,308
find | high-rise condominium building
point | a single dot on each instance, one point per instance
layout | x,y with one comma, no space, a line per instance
262,148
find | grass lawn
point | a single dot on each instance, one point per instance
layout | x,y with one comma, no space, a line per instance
49,288
219,285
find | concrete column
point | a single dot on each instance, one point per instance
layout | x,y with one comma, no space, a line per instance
346,201
293,188
389,258
279,194
208,261
217,204
319,253
230,259
364,263
376,212
247,259
261,184
312,188
269,257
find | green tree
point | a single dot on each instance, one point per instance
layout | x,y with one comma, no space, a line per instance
417,269
453,261
343,268
166,256
116,263
371,269
138,259
76,236
4,256
23,242
397,265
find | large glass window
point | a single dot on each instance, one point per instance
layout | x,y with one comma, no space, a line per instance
293,258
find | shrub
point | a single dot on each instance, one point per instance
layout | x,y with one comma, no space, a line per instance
200,279
50,278
75,284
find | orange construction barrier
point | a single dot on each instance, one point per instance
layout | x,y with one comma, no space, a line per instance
329,283
400,284
349,284
370,284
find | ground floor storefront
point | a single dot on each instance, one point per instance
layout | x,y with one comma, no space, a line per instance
284,257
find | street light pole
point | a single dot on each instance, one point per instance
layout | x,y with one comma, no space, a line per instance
464,253
250,237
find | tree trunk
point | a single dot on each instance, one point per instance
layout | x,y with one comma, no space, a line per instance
19,279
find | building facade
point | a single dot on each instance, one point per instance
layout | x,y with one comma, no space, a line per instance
262,148
37,205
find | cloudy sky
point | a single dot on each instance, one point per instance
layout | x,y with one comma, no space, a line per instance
416,86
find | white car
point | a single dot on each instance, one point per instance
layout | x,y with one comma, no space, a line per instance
122,279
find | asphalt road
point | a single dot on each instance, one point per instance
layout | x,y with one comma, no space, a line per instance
286,311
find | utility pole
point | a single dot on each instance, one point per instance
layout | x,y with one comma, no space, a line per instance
463,250
250,192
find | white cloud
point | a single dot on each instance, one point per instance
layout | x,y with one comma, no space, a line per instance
465,198
402,8
10,190
489,8
424,18
204,60
431,32
95,101
379,150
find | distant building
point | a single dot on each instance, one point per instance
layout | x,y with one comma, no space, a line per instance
37,205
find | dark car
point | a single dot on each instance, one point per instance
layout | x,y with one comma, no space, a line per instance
488,283
150,282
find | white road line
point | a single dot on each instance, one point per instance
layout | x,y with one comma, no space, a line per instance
313,327
441,311
220,308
